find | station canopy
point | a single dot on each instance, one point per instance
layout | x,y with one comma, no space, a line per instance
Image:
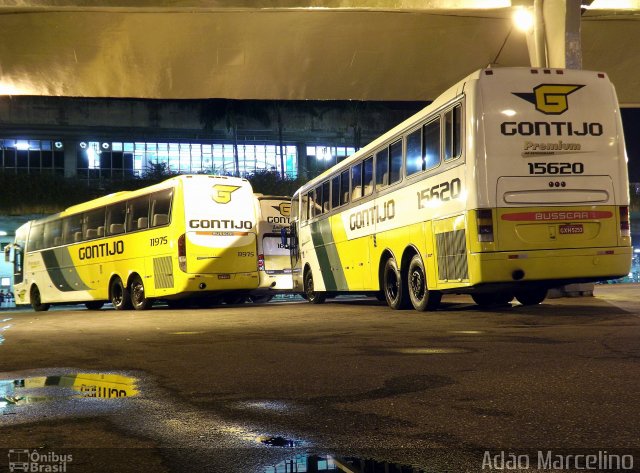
286,49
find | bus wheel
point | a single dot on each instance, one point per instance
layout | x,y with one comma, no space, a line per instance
36,301
492,298
531,296
138,298
421,298
312,296
119,295
395,290
94,305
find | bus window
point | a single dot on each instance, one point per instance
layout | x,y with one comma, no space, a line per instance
344,187
382,168
53,233
36,238
395,162
72,229
161,207
367,176
116,216
138,214
414,161
294,209
326,197
335,192
317,201
312,203
432,144
305,208
356,181
452,124
93,223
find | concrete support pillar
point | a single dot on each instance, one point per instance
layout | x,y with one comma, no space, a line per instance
555,38
70,158
301,148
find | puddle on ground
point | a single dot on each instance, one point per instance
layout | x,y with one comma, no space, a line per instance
4,328
38,389
331,464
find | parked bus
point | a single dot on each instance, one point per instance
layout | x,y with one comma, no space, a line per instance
274,266
511,182
192,236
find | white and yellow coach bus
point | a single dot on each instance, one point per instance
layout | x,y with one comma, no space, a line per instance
191,236
511,182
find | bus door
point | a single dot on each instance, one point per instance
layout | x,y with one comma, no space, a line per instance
18,253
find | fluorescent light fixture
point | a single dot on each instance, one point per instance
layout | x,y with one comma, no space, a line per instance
3,233
613,5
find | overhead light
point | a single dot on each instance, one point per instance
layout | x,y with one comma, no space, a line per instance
613,5
523,19
58,144
3,233
22,145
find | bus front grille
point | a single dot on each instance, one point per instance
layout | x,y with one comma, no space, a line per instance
451,249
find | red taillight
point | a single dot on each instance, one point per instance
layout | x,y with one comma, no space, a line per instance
182,253
260,262
484,219
625,227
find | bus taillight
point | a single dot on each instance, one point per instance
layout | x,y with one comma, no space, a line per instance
182,253
260,262
625,228
484,219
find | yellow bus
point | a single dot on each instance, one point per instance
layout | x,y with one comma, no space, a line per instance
511,182
189,237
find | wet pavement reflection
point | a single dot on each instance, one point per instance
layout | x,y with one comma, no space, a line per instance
310,463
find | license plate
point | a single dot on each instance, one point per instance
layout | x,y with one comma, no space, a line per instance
571,229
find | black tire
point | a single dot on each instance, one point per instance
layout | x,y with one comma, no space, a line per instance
94,305
119,295
311,295
492,298
36,300
421,297
260,299
394,287
531,296
233,299
139,299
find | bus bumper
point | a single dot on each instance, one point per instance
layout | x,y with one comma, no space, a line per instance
559,266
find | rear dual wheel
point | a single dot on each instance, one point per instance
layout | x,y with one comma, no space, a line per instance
133,296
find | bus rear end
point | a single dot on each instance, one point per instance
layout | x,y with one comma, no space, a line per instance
217,252
552,199
274,262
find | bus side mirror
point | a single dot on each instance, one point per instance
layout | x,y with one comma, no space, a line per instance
284,238
7,254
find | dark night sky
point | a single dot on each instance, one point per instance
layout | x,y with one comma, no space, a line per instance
631,125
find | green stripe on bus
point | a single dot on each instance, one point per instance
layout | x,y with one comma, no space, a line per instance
328,256
64,275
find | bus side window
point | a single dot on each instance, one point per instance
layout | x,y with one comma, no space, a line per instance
452,130
356,181
335,192
344,187
138,214
161,207
317,202
116,216
305,208
367,176
52,233
414,159
312,203
36,238
92,220
382,168
72,229
326,197
432,144
395,162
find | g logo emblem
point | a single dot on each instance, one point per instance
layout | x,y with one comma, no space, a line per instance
222,193
285,209
550,99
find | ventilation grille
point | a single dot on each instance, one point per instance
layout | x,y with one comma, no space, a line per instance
452,256
163,272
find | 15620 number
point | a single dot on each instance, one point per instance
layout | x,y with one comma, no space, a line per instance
556,168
